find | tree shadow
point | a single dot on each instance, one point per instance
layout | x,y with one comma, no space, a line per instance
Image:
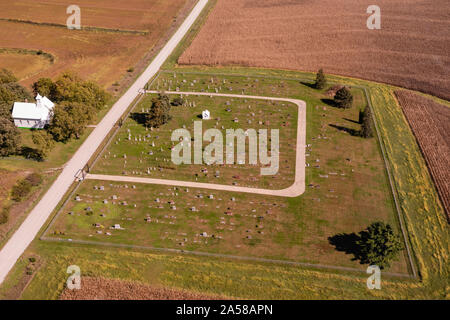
329,102
30,153
308,84
347,242
354,121
139,117
353,132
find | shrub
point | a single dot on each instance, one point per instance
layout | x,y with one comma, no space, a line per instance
343,98
177,102
130,69
20,190
366,123
34,179
4,215
44,144
7,76
32,259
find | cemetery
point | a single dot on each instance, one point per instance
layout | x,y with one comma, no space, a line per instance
146,152
346,185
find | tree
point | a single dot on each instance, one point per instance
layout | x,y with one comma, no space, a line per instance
379,244
343,98
64,126
321,81
159,112
7,76
20,190
45,87
366,123
44,143
12,92
9,138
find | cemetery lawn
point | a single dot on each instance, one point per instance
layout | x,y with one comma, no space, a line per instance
138,151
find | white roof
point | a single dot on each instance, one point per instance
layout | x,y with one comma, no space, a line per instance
36,111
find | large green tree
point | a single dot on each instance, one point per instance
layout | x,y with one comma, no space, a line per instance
343,98
69,121
379,244
45,87
70,87
9,138
159,112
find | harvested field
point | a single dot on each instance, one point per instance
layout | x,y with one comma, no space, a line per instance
23,65
110,289
430,122
138,15
111,57
410,50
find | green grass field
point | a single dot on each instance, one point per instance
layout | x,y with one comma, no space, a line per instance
148,152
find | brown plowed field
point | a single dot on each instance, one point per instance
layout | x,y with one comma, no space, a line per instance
411,49
110,289
430,122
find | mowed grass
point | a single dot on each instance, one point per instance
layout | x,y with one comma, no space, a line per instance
137,151
235,279
347,188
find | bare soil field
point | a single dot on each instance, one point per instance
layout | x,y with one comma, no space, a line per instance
106,57
110,289
430,123
410,50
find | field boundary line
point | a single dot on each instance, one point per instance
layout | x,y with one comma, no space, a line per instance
86,28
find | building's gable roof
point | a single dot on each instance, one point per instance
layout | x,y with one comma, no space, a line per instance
23,110
33,111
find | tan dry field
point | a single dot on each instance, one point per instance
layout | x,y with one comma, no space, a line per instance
411,49
111,289
141,15
23,65
430,123
104,57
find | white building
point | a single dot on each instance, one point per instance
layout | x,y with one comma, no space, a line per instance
206,115
33,115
